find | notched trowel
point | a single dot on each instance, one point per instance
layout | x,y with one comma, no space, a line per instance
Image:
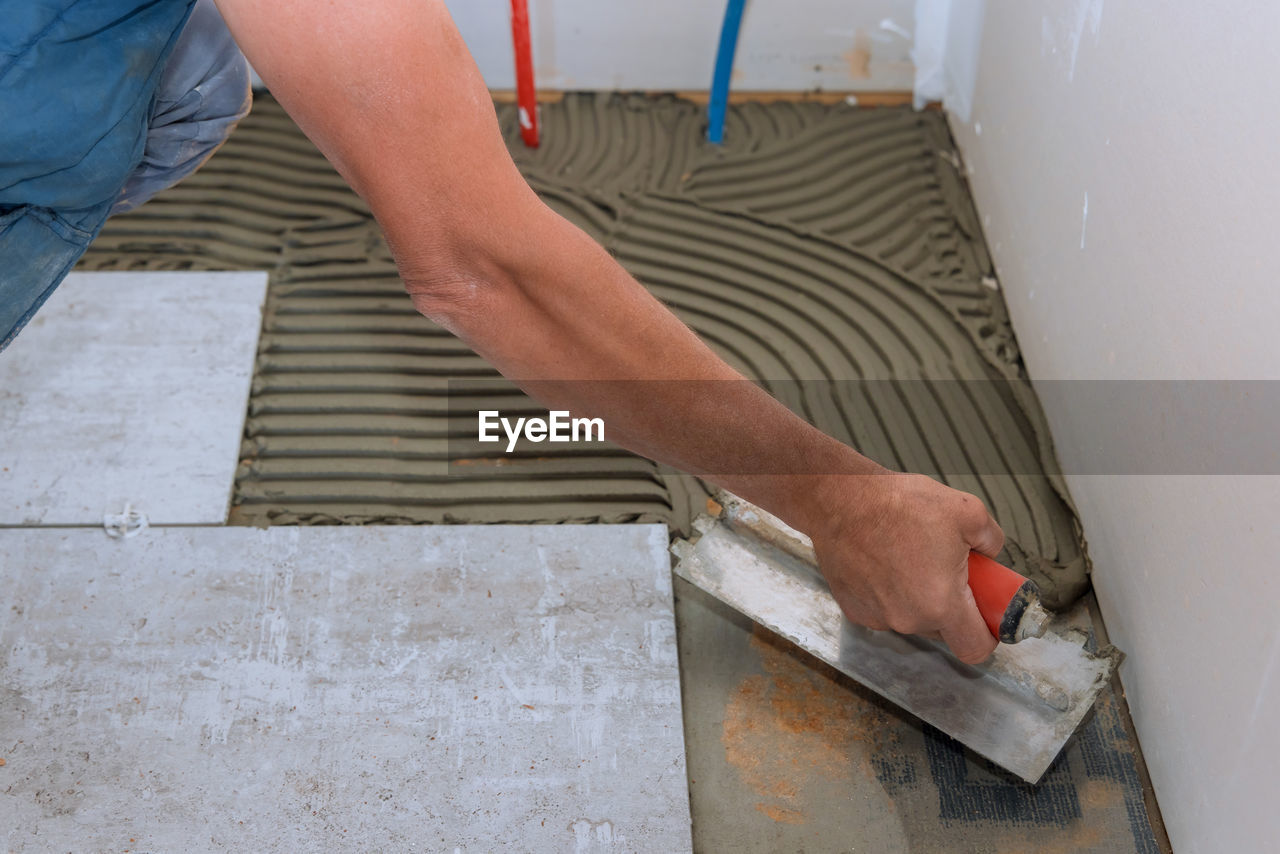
1017,709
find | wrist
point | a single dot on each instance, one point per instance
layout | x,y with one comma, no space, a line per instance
853,488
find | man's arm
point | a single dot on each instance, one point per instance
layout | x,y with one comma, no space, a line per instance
389,93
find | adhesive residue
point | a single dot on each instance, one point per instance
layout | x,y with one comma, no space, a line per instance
819,243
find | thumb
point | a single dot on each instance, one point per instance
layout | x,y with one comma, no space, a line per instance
982,534
966,633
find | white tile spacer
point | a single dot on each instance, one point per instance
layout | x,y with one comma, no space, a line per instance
122,526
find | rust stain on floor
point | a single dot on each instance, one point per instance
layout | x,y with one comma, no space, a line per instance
794,725
781,814
1081,837
1102,794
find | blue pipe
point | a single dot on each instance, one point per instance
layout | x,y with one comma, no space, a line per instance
724,69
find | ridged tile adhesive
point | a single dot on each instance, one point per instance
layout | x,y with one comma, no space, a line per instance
819,248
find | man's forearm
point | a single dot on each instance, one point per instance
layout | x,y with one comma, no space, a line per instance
573,328
390,94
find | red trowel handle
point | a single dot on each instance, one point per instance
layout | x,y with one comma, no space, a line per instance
1009,602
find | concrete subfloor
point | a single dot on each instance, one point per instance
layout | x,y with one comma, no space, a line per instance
787,754
340,689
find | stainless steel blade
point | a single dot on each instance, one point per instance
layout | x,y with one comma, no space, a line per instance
1017,709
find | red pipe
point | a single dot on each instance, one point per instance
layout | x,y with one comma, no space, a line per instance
526,95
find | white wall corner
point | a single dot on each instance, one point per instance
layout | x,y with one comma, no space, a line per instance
948,42
929,51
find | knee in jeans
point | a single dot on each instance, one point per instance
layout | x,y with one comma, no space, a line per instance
204,92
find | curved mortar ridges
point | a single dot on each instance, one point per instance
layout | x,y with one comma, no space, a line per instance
818,244
787,310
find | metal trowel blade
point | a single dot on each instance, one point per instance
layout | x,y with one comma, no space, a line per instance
1017,709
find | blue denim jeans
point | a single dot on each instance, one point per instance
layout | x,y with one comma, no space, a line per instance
199,94
204,92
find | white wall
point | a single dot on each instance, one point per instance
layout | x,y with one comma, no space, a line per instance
948,37
1125,160
834,45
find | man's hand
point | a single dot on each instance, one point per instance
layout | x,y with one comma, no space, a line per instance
895,551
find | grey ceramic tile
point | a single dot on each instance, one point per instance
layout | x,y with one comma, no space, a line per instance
467,688
129,388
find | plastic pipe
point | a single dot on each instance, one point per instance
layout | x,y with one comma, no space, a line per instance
526,94
724,70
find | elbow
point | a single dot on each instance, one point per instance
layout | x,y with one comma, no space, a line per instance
470,272
456,297
459,284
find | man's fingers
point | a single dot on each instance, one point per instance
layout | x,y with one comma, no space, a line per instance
856,612
981,531
967,634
